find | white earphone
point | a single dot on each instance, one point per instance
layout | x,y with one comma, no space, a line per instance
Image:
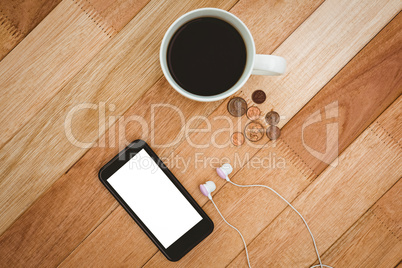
223,172
208,188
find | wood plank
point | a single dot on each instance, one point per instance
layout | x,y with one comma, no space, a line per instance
374,80
46,50
340,41
118,13
9,36
393,125
198,174
77,197
64,215
374,240
329,90
25,15
43,145
284,28
248,209
331,204
229,151
45,61
19,18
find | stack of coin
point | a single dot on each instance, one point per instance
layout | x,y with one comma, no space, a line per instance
237,107
272,118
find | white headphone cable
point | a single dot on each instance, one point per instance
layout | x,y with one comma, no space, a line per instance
311,234
244,242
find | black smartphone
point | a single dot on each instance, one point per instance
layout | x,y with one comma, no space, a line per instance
156,200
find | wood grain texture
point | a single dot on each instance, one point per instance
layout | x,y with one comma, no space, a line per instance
9,36
86,203
228,151
58,48
23,16
26,235
393,126
323,96
45,61
199,174
375,239
129,61
250,210
319,48
77,197
361,91
117,13
26,15
331,204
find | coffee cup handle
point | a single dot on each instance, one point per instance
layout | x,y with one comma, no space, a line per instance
268,65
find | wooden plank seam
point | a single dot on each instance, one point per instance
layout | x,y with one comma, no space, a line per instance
9,26
94,15
296,160
384,135
387,139
386,226
282,146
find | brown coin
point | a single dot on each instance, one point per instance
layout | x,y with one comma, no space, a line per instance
272,118
273,132
253,113
237,138
254,131
258,96
237,106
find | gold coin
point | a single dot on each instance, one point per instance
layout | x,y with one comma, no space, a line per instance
273,132
237,139
272,118
237,106
254,131
253,113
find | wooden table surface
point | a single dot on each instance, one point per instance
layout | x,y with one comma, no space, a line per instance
80,79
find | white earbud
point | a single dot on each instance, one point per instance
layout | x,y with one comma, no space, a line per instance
208,188
224,171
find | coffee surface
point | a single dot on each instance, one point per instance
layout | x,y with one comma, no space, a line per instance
206,56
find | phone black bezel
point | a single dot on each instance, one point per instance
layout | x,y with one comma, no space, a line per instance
186,242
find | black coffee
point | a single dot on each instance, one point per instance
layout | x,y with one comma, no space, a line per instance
206,56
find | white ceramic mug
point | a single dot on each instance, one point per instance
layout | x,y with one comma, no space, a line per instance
255,63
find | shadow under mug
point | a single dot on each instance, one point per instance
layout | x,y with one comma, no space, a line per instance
255,63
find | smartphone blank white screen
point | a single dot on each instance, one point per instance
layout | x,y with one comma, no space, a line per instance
154,198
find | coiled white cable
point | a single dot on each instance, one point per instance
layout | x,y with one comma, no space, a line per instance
290,205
